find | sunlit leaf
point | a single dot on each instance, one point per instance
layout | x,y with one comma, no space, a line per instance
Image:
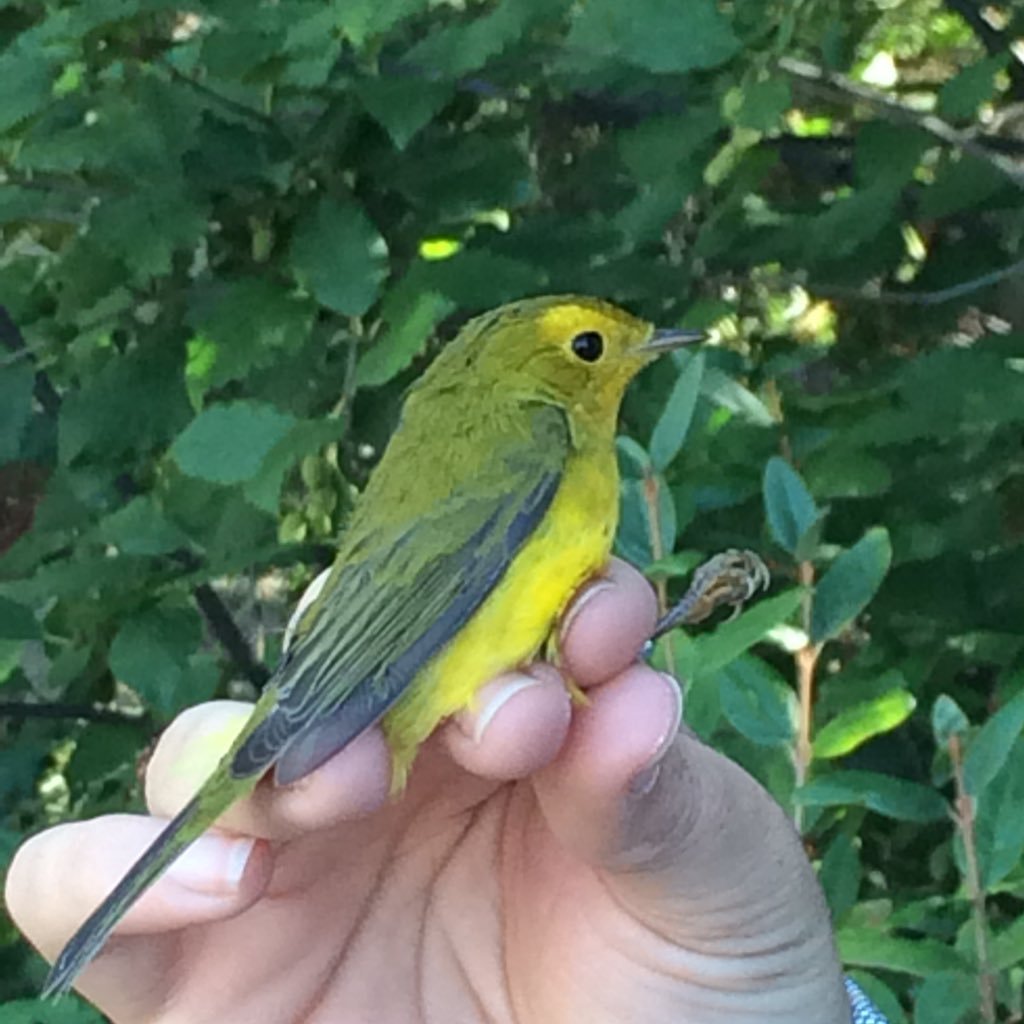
856,725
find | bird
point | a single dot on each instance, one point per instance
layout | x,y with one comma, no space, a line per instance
495,500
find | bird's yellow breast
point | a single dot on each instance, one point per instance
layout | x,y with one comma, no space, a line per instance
571,544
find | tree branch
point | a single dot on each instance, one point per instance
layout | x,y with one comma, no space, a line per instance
247,113
917,298
226,630
86,712
831,83
14,341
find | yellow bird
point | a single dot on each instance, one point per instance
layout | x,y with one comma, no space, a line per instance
495,500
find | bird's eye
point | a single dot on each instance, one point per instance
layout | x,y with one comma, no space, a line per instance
588,346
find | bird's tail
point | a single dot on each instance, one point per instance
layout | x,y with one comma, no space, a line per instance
181,832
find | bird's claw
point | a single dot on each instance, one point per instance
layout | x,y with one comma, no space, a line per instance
731,578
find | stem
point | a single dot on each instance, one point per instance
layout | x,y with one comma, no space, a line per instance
806,660
230,637
830,82
874,293
18,710
14,341
652,497
964,818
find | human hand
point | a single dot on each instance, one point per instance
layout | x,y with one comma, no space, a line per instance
545,866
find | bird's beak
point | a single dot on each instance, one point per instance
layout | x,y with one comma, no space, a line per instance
667,339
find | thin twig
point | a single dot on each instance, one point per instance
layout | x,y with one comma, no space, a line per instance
240,109
918,298
806,660
833,83
85,712
652,499
230,637
874,293
14,341
965,822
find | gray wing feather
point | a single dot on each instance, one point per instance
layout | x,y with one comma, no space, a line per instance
364,640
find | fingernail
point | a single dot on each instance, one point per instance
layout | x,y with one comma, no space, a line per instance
645,779
495,696
580,602
213,864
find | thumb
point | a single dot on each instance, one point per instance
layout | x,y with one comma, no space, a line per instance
688,842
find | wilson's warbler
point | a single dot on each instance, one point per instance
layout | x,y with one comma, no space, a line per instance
495,500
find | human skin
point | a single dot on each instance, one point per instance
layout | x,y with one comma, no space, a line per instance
547,865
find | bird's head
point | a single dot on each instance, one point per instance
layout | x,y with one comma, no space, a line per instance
572,351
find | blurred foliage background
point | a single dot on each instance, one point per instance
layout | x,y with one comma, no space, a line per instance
232,233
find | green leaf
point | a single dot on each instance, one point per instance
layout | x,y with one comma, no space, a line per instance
245,323
892,797
992,744
16,383
10,658
870,947
946,997
999,821
760,105
141,528
17,622
715,650
101,750
962,182
459,49
679,563
147,227
409,326
633,538
840,874
846,474
306,436
729,393
791,511
69,1010
960,97
850,583
674,422
856,725
948,720
757,702
363,20
652,35
339,255
1008,946
633,457
850,223
28,81
402,106
227,444
153,652
134,402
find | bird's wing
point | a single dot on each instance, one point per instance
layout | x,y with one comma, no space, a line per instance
388,609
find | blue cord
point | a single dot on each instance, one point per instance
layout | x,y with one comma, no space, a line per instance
863,1011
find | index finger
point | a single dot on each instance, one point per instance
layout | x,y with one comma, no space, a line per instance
605,628
352,783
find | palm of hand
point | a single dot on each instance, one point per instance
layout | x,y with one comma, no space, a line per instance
457,905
